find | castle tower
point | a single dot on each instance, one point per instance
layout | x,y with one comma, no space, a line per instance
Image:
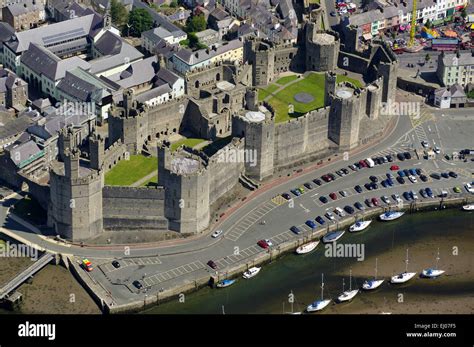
251,98
261,55
344,116
75,208
96,151
322,48
186,182
389,71
258,129
374,98
127,101
330,86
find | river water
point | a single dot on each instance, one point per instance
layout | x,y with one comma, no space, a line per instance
297,276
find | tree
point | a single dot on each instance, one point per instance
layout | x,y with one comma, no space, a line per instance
428,24
464,13
119,13
427,57
174,4
194,42
196,24
139,21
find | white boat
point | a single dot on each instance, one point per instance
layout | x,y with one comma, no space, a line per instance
318,305
225,283
348,294
374,283
291,302
391,215
404,276
359,225
252,272
433,272
306,248
469,207
333,236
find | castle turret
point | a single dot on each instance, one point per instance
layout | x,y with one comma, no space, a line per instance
322,48
330,86
261,55
96,151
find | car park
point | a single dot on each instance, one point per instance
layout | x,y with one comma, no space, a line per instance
400,180
320,220
359,206
323,199
217,233
375,201
308,185
358,189
295,230
423,178
330,216
339,212
349,209
317,182
137,284
452,174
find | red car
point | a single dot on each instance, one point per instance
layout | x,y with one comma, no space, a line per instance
363,163
326,178
212,265
394,167
333,196
375,201
263,244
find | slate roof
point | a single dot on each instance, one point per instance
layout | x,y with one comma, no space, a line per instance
153,93
24,151
193,58
137,73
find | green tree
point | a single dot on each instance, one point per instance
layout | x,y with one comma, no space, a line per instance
194,42
119,13
464,13
196,23
139,21
428,24
174,4
427,57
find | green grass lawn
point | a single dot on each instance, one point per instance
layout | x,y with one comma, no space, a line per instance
287,79
30,210
314,85
263,93
151,183
190,142
127,172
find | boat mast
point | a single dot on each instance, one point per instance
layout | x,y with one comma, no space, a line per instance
322,286
437,259
406,262
350,279
292,299
375,268
223,311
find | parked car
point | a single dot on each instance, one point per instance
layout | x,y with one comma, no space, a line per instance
400,156
384,183
412,172
358,189
138,284
412,179
359,206
308,185
326,178
373,179
457,190
286,196
330,216
295,230
349,209
401,180
452,174
469,188
436,150
320,220
390,176
311,224
394,167
333,177
397,198
339,212
368,186
317,181
407,155
323,199
418,171
343,193
423,178
385,199
345,170
217,233
423,193
333,196
401,173
407,196
435,176
263,244
212,265
353,167
296,192
375,185
429,192
425,144
369,203
445,175
116,264
375,201
414,195
389,158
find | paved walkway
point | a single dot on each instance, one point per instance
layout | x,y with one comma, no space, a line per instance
284,86
145,179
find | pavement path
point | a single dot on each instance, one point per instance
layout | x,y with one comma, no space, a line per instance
145,179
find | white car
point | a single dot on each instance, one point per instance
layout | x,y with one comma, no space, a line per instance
437,150
412,179
386,199
397,198
414,195
329,216
339,212
425,144
469,188
269,243
216,233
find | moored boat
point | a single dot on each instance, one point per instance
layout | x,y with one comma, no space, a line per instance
404,276
469,207
333,236
347,295
359,225
252,272
373,283
433,272
318,305
225,283
307,247
391,215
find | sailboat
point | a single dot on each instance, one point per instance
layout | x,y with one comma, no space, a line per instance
348,294
359,225
318,305
404,276
373,284
292,311
433,272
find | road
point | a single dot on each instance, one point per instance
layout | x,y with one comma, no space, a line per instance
165,266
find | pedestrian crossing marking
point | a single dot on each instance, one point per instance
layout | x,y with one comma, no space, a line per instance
279,200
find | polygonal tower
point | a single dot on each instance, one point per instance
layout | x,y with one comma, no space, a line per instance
330,81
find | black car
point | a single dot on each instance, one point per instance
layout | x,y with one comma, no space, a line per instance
318,182
369,203
373,179
358,189
423,178
137,284
380,160
340,173
400,180
332,176
295,230
359,206
368,186
286,196
418,172
358,166
375,185
349,209
323,199
308,185
212,265
320,220
407,196
423,193
400,156
453,174
389,158
345,170
436,176
407,172
407,155
445,174
116,264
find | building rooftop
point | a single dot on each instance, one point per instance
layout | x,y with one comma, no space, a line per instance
193,58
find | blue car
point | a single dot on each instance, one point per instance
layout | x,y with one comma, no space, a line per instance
429,192
401,173
311,224
390,182
296,192
407,196
390,176
295,230
384,183
412,172
320,220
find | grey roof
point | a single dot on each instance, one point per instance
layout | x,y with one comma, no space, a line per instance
53,123
140,72
462,59
153,93
159,19
180,15
6,31
157,34
205,33
82,87
41,103
56,33
43,62
166,76
109,44
219,14
24,151
15,126
457,91
8,80
24,7
442,92
193,58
